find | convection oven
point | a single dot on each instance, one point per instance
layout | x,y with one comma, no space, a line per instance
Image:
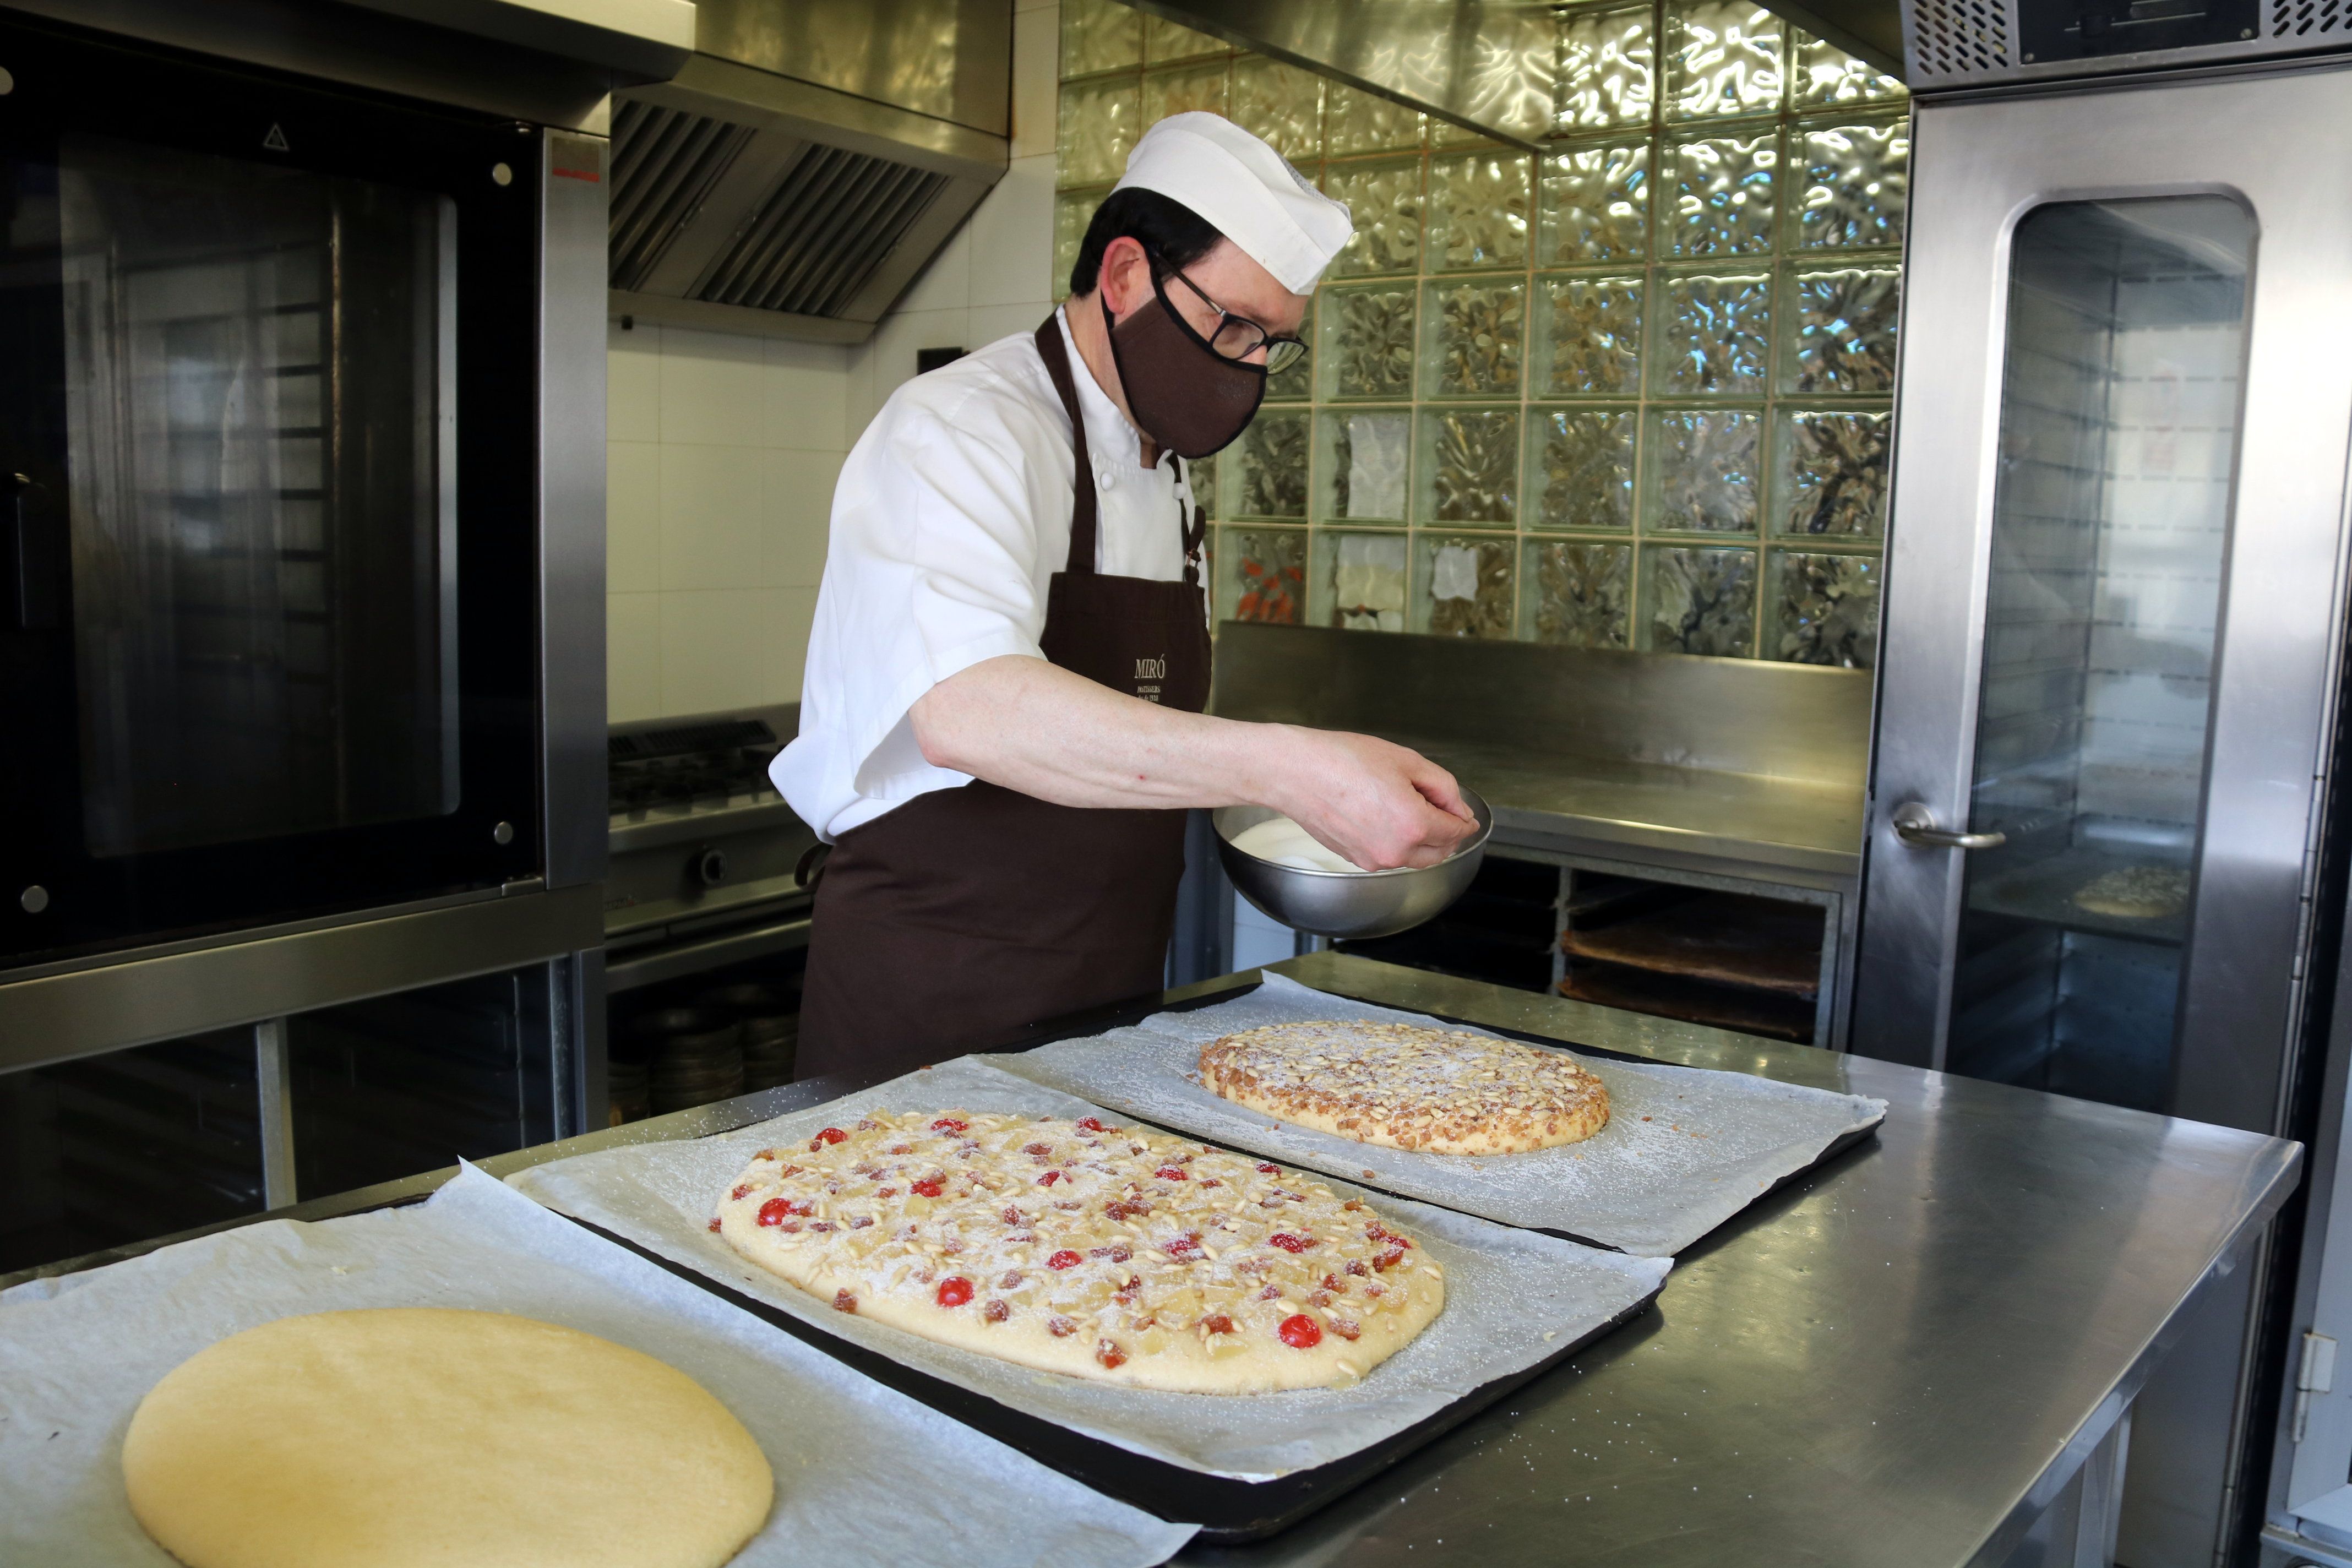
301,608
272,559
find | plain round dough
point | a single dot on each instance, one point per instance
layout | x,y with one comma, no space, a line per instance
429,1438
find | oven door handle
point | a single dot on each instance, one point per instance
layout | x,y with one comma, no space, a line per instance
31,563
1916,826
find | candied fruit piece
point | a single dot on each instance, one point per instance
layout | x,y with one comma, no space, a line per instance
1301,1333
1293,1245
926,1188
996,1312
953,1291
1064,1258
774,1211
1108,1352
843,1302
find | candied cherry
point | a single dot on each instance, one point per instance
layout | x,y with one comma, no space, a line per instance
1092,1124
1064,1258
825,1135
1170,1174
1293,1245
1049,1178
926,1188
949,1124
774,1211
1269,1169
1301,1333
953,1291
1108,1352
1217,1323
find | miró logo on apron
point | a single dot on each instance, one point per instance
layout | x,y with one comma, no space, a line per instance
1154,670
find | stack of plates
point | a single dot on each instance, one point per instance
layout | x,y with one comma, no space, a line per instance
696,1057
771,1022
627,1077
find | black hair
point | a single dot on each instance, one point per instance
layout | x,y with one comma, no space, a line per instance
1173,234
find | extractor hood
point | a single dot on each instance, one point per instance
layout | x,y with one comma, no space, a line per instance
807,161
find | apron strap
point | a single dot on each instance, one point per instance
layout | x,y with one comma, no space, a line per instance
1195,529
1081,561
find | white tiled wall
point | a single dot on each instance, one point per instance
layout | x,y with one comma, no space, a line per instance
720,455
721,450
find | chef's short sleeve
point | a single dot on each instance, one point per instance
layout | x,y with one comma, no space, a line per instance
934,566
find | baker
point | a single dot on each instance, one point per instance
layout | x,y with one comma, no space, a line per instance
1001,718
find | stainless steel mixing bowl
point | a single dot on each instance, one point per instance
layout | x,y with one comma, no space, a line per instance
1349,903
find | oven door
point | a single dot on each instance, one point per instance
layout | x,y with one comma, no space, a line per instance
267,557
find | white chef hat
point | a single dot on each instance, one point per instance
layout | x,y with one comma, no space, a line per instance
1243,188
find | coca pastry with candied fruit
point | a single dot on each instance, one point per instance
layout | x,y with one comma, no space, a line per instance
1101,1251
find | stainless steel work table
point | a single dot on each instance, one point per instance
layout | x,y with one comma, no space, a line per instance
1914,1355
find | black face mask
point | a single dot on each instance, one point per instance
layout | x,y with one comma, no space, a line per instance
1183,393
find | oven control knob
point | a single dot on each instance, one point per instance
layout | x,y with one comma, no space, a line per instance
503,832
34,899
711,867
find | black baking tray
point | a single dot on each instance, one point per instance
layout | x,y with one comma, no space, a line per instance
1228,1512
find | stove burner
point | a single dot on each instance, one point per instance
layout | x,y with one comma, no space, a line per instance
691,764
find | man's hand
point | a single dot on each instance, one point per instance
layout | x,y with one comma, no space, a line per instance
1379,804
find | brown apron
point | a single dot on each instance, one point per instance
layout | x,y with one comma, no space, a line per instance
954,923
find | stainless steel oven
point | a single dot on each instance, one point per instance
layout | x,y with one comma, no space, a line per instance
271,618
301,589
2101,854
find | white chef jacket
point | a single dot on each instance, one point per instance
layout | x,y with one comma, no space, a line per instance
952,516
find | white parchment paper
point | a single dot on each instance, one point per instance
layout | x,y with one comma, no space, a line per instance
78,1354
1684,1149
1513,1298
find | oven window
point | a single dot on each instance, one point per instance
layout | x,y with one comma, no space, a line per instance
260,374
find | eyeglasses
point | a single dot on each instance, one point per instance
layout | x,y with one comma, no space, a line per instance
1238,337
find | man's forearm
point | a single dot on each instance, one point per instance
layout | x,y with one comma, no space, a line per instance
1036,728
1032,727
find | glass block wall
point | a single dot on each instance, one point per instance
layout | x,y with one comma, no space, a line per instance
1630,392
